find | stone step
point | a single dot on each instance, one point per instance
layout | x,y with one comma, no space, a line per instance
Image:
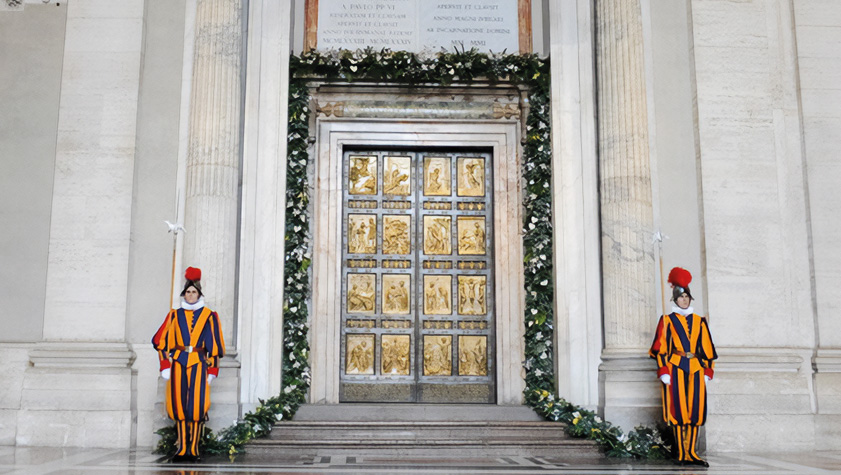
415,412
426,430
447,447
466,430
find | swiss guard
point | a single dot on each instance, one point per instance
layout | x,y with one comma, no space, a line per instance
684,351
189,345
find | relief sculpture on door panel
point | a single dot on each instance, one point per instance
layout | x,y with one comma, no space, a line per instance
395,354
362,175
471,176
471,235
397,176
471,295
436,294
396,294
361,294
436,235
437,355
396,231
472,355
436,176
362,234
360,354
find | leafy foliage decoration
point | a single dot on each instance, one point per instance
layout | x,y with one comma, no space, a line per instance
443,68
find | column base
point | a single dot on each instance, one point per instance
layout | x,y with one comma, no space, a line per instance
77,394
827,364
761,399
629,389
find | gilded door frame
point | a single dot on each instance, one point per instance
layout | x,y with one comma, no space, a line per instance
333,135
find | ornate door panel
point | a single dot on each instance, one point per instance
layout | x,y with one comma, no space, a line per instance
417,281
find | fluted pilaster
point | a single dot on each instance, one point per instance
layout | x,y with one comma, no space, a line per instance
213,153
625,176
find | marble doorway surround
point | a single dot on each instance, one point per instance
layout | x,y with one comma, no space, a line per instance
477,117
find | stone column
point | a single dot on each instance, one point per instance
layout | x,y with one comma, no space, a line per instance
77,389
260,322
575,203
628,269
213,154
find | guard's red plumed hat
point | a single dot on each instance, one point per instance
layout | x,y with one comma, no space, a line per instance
192,273
677,276
193,276
680,279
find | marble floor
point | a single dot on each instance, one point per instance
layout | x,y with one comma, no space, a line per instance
43,461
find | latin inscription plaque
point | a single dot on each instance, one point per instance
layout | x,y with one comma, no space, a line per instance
418,25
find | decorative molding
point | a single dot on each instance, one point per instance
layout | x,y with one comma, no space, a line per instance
336,109
827,360
506,110
81,355
759,360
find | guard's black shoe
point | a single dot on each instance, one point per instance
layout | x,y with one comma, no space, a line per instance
178,459
702,463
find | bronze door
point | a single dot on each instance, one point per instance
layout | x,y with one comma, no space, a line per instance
417,280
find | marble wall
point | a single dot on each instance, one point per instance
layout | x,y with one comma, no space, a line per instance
31,48
756,227
818,24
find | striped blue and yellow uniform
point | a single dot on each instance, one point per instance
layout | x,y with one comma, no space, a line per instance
683,349
190,342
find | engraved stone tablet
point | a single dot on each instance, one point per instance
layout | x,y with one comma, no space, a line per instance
418,25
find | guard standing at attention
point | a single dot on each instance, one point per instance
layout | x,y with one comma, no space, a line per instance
684,351
189,345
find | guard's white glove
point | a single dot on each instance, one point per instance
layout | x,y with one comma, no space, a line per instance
210,378
165,373
706,379
666,378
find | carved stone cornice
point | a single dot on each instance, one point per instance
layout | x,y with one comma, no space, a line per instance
418,109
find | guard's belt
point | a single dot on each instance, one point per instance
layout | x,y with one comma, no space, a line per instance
191,349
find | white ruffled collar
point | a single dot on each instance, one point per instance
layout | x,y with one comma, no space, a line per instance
683,311
195,306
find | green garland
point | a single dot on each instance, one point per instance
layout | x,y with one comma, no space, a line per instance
442,68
